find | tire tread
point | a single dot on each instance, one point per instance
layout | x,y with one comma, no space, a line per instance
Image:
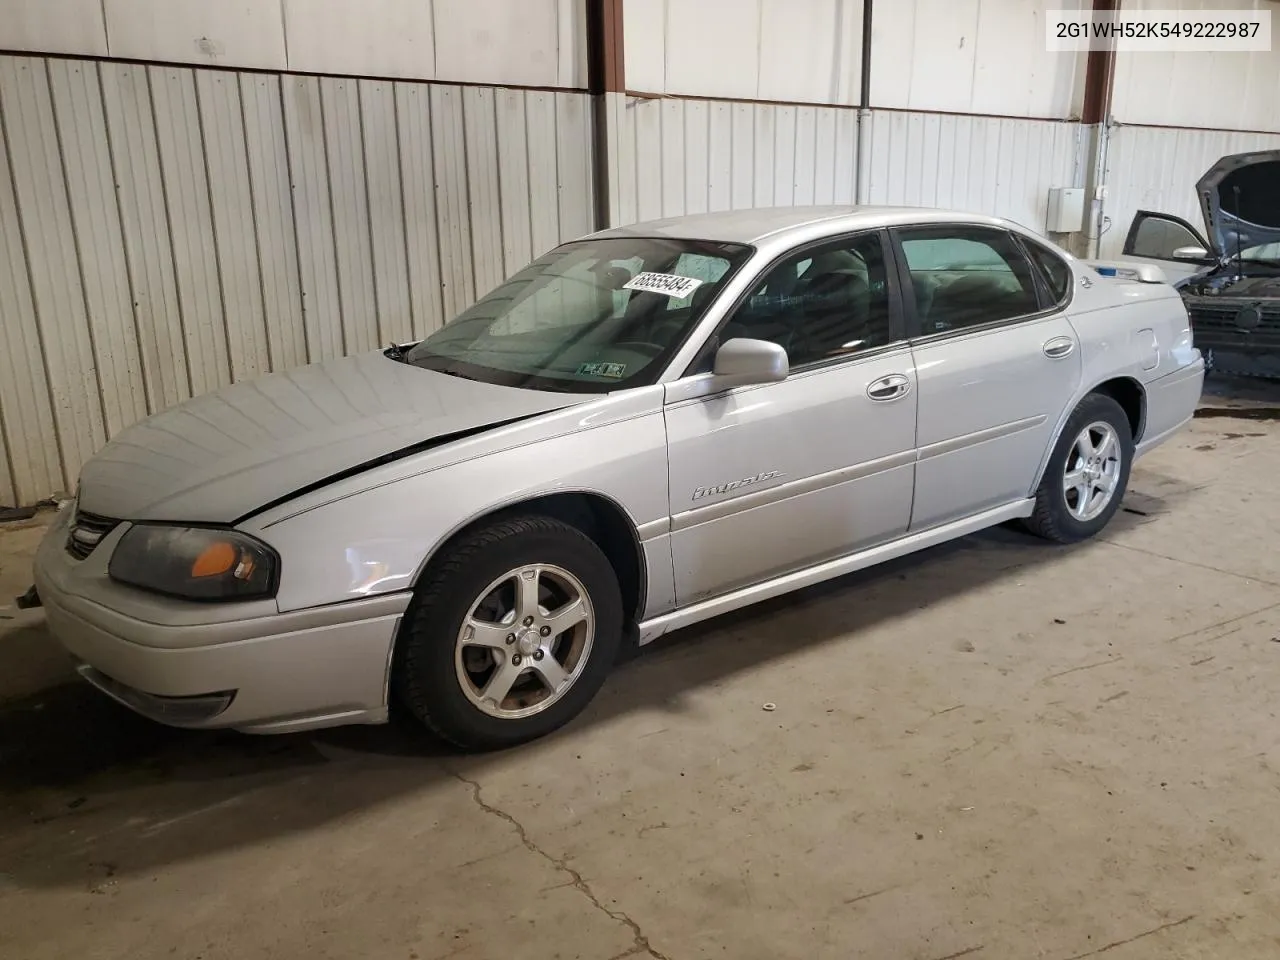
406,683
1047,520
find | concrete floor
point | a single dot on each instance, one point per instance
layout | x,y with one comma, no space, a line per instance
997,749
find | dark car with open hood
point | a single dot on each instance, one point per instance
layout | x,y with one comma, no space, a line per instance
1230,281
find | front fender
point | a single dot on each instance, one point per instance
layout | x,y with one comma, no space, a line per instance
377,540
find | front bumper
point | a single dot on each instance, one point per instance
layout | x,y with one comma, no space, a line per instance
194,665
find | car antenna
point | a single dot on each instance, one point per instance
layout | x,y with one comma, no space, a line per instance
1235,190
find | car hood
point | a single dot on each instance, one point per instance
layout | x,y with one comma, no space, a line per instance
1240,198
228,453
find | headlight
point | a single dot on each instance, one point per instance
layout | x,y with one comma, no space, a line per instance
195,563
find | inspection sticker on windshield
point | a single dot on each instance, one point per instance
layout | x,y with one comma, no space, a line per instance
614,371
673,286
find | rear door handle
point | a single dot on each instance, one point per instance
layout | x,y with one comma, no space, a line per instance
889,388
1059,347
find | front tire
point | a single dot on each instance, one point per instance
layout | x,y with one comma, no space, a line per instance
509,635
1087,474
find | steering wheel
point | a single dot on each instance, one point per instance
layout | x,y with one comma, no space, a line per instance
645,346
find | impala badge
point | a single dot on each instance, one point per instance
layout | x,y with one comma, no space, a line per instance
733,485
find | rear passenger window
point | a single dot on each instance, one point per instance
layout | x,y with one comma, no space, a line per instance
967,276
1055,270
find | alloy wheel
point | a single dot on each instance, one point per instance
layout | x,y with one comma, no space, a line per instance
525,641
1092,471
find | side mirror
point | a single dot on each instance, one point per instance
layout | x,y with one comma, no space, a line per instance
1191,253
742,361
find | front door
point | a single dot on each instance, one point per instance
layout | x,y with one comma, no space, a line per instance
772,478
997,361
1156,237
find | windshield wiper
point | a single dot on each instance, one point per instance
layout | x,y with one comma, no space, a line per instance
394,352
450,373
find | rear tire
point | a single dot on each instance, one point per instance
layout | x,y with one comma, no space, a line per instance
510,634
1087,474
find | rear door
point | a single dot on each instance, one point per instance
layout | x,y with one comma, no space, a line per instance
996,361
1155,237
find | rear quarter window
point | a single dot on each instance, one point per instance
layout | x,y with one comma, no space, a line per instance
1056,271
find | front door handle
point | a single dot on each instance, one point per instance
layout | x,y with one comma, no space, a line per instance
889,388
1059,347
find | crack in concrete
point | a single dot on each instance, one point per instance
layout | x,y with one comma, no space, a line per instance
873,893
1222,623
630,952
1146,933
962,953
1087,666
641,943
1189,563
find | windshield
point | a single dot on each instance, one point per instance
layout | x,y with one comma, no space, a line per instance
588,317
1266,253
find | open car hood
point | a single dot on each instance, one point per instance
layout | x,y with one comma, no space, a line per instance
1240,200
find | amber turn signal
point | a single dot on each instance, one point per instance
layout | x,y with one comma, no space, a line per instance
215,560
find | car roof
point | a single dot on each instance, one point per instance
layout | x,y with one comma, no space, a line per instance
753,225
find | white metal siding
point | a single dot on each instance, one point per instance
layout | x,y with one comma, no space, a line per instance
678,156
804,50
52,266
973,56
165,230
1233,91
998,166
965,56
244,34
686,156
1153,168
514,42
62,26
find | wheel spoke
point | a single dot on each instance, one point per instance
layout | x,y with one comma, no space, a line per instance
570,615
527,593
1084,444
1073,479
501,682
552,674
477,633
1084,493
1107,449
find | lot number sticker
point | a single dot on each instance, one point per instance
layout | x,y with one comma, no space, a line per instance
615,371
675,287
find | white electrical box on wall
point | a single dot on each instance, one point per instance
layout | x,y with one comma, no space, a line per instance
1066,210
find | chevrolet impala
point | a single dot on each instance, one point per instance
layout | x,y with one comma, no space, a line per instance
643,428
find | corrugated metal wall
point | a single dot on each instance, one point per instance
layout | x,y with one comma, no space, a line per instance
166,230
1156,168
678,156
691,156
993,165
965,56
1188,88
533,43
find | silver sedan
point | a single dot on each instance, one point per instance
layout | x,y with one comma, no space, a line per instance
641,429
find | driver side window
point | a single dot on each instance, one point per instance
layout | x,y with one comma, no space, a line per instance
1158,237
821,304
